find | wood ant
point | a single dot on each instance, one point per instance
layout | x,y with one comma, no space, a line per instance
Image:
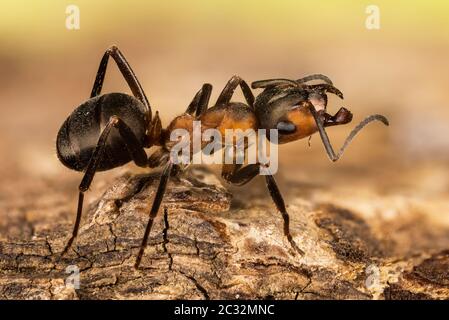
110,130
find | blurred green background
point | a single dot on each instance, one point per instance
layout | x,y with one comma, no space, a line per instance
400,70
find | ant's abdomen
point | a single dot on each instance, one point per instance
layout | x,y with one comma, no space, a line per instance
79,134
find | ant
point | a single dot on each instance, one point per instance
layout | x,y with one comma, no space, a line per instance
110,130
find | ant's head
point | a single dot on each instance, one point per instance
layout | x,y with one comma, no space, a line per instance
286,105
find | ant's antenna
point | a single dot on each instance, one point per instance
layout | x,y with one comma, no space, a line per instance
272,83
315,77
324,137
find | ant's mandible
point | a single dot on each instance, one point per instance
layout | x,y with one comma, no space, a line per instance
110,130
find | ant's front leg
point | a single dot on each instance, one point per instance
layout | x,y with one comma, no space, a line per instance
135,150
236,174
280,205
228,91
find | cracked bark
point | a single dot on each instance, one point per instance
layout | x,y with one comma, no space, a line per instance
203,246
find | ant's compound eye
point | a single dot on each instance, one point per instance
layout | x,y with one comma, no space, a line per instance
286,127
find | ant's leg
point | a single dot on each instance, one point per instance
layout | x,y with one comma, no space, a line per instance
228,91
200,101
315,77
240,176
280,205
235,174
154,209
324,137
127,73
158,158
135,150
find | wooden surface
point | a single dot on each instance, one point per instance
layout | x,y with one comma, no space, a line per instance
207,246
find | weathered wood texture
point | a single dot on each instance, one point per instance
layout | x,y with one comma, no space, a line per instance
203,246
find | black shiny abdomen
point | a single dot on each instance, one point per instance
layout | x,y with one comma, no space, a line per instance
79,134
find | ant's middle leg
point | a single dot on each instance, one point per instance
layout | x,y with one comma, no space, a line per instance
228,91
134,148
200,100
236,174
154,209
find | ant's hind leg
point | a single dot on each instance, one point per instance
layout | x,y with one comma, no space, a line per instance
135,150
127,73
228,91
